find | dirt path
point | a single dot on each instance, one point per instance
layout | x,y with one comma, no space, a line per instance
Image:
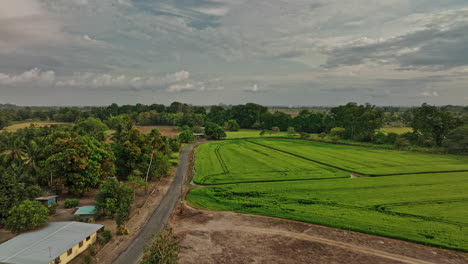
227,237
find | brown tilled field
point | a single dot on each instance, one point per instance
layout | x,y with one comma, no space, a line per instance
15,127
167,131
226,237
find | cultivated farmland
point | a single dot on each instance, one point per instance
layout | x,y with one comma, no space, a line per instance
410,207
368,161
281,178
241,161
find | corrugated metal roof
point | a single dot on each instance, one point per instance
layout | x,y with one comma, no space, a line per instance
46,197
45,245
86,210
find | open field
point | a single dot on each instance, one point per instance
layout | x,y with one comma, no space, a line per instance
368,161
227,237
398,130
241,161
15,127
167,131
252,133
426,208
288,178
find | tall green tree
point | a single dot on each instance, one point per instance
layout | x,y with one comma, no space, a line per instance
457,139
359,121
432,121
214,131
82,161
26,216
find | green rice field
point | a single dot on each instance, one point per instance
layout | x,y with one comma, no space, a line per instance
241,161
289,178
425,208
368,161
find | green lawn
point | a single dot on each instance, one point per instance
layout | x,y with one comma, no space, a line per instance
237,161
252,133
425,208
368,161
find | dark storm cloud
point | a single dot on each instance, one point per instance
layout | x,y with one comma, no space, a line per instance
431,47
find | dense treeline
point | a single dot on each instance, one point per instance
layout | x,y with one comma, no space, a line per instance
433,126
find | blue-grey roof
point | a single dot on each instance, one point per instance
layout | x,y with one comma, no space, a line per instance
45,245
86,210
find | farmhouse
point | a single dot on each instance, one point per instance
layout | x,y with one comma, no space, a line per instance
199,135
47,200
59,242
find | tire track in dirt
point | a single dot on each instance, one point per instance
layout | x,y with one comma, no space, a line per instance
321,240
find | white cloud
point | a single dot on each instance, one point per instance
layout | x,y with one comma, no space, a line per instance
32,77
182,87
430,94
38,77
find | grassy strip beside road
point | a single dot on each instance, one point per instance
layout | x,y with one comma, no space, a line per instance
425,208
241,161
368,161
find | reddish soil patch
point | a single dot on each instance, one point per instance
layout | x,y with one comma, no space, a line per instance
226,237
167,131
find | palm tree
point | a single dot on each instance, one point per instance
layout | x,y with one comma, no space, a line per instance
12,150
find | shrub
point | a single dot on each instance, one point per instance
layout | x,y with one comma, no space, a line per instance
401,142
174,144
391,138
337,132
322,135
379,138
163,249
88,259
275,129
71,203
92,250
52,208
106,235
26,216
186,136
304,135
122,230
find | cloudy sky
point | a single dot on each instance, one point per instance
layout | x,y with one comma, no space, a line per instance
272,52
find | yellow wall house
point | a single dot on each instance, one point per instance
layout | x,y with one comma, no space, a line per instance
59,242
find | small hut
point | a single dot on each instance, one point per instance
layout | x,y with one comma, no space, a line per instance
47,200
85,212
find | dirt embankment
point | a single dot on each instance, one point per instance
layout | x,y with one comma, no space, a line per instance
226,237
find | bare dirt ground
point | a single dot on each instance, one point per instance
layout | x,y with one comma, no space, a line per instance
167,131
15,127
227,237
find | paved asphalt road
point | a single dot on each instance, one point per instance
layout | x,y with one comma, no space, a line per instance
134,253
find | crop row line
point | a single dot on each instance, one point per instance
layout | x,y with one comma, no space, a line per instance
354,172
220,159
315,161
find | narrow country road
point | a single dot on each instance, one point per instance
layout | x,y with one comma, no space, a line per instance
158,220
